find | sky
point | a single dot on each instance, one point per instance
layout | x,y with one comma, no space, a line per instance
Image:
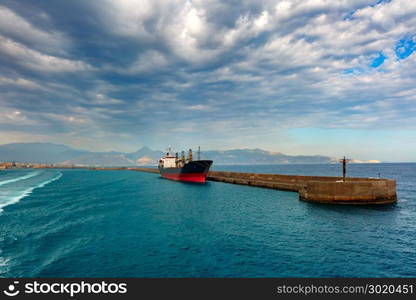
330,77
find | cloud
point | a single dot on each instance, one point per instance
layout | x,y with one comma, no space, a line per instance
20,30
38,61
212,70
20,82
150,61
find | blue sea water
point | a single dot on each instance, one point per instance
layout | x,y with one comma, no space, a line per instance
84,223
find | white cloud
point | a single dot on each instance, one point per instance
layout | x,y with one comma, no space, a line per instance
20,82
262,20
16,27
13,116
200,107
149,61
102,99
127,17
38,61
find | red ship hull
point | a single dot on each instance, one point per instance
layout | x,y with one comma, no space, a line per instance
194,171
201,178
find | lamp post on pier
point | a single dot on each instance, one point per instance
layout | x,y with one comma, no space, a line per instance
344,162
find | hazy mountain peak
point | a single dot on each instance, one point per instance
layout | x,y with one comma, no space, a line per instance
144,148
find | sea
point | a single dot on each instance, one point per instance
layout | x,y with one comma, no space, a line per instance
121,223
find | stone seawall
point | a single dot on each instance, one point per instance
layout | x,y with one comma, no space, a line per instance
321,189
350,192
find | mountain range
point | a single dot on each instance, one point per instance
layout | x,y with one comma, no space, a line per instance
62,154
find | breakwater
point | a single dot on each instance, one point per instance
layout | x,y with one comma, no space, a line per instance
319,189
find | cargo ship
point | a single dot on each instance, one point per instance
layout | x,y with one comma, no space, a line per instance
184,169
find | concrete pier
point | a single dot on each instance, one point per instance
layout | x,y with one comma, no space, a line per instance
319,189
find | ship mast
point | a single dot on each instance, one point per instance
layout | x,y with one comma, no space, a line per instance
190,155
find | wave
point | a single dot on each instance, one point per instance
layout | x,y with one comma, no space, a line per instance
28,191
19,178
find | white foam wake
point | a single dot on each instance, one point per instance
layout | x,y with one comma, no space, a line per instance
4,262
28,191
19,178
